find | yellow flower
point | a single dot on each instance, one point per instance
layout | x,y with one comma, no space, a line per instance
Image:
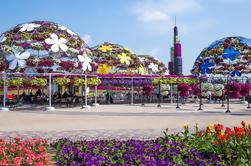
210,127
124,59
104,68
105,48
185,125
141,70
127,49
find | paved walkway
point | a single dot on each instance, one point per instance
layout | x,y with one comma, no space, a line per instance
115,121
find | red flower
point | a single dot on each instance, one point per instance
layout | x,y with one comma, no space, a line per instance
222,137
229,132
216,142
239,131
218,127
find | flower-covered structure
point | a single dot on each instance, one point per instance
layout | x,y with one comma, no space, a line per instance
152,65
114,58
43,47
231,55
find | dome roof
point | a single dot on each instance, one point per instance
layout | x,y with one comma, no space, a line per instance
230,55
41,46
114,58
152,65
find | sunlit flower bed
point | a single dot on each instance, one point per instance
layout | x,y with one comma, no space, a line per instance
215,145
19,152
130,152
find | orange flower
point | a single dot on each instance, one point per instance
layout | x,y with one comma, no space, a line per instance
222,137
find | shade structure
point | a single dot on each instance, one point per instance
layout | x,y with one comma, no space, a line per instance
230,55
43,47
116,59
153,65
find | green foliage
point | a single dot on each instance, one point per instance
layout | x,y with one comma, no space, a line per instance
39,82
61,81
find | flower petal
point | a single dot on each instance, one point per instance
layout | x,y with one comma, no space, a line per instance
49,41
63,47
81,58
55,47
10,57
89,67
24,27
13,64
84,67
54,37
24,55
62,40
21,63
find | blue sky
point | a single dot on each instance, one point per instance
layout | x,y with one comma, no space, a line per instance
145,26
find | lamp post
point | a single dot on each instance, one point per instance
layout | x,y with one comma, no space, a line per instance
142,96
132,90
159,95
96,104
244,98
50,108
177,97
228,110
4,108
200,96
86,106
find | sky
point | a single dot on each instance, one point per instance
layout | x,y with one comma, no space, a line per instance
144,26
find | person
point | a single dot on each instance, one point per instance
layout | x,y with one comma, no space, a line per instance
30,97
38,93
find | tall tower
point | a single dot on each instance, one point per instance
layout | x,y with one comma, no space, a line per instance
175,64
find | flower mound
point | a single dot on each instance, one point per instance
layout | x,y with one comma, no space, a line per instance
28,152
130,152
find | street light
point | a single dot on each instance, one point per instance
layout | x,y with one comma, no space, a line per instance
228,110
159,96
200,96
177,97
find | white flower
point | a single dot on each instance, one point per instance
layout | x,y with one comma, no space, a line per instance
17,60
142,59
4,38
63,28
57,43
154,67
28,27
85,62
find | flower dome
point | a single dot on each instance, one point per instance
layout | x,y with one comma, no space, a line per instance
231,55
42,47
114,58
152,65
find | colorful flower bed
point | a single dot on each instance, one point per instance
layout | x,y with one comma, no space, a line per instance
19,152
130,152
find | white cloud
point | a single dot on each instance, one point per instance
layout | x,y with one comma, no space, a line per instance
87,38
162,10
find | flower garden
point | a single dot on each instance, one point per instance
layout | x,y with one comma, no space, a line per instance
45,61
214,145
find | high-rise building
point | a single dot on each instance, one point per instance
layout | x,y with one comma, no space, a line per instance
175,64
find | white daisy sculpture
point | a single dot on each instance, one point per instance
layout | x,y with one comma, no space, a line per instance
63,28
86,62
57,43
28,27
142,59
17,60
153,67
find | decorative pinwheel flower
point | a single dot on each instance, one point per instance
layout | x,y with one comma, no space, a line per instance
235,73
231,54
63,28
17,60
124,59
141,69
104,68
205,68
28,27
57,43
142,59
105,48
153,67
85,62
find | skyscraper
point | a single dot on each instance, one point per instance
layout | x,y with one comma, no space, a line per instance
175,64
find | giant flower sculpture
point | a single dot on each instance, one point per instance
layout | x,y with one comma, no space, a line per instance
231,55
41,46
119,58
153,65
